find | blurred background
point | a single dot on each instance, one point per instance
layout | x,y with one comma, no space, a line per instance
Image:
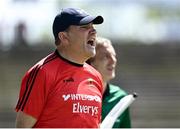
145,34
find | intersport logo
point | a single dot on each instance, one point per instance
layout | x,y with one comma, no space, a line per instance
81,97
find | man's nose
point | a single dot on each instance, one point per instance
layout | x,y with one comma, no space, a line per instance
93,31
113,59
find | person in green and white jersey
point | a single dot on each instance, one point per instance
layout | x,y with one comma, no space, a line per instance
105,62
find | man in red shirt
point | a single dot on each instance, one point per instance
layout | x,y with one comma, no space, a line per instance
61,90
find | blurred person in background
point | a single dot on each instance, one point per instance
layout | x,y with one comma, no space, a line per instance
62,90
21,34
105,62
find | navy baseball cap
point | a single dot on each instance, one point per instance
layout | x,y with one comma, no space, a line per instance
73,16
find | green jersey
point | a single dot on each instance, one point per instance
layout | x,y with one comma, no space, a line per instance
111,97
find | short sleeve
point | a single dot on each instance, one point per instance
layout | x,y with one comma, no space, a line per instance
33,93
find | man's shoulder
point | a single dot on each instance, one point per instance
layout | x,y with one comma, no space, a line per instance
46,62
94,73
91,69
116,89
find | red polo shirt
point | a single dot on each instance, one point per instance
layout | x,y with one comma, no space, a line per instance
61,94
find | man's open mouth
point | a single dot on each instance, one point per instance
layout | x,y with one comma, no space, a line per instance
91,42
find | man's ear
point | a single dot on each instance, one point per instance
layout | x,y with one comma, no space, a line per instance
63,36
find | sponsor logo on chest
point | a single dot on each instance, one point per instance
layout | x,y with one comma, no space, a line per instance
78,107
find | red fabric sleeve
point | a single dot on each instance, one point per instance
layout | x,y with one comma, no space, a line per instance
33,93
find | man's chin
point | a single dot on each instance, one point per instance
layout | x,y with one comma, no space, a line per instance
92,53
111,77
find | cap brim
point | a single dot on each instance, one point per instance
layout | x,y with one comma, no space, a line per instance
93,19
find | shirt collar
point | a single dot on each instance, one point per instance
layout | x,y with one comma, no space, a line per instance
75,64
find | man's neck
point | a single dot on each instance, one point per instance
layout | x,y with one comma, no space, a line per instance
70,57
104,86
